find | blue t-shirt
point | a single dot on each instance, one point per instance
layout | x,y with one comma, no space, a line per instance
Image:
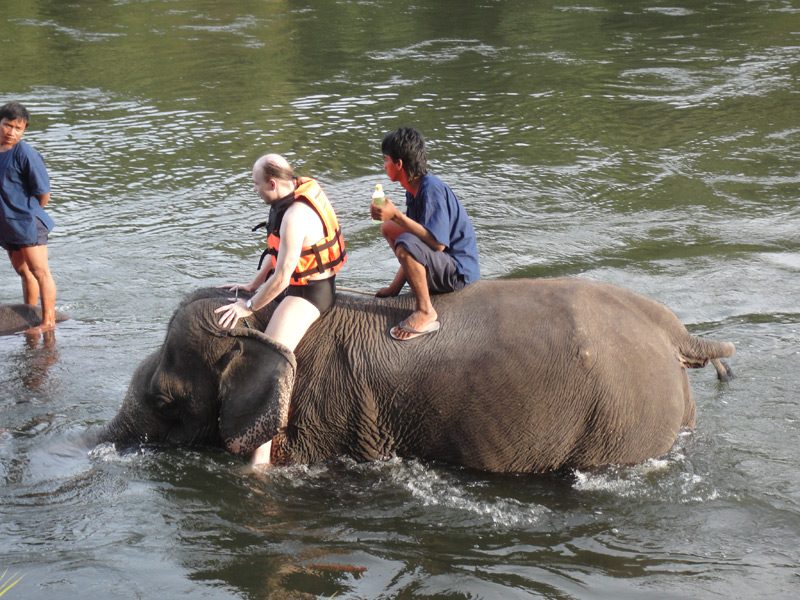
436,208
23,177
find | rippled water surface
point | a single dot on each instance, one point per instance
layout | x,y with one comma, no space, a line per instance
653,145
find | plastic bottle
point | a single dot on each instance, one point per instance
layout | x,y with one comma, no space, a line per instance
378,198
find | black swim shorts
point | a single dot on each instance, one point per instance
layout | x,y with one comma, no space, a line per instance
440,267
319,292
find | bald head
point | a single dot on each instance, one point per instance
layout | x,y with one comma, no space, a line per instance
273,178
274,166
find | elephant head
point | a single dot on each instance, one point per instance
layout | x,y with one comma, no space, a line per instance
207,386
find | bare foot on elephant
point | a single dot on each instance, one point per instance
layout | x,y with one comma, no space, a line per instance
419,323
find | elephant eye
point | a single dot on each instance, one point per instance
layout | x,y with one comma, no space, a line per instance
165,404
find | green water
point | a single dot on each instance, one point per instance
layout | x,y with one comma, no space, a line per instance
652,144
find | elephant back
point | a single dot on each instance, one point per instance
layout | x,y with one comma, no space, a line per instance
524,375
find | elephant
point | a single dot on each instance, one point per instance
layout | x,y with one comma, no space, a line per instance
18,317
524,376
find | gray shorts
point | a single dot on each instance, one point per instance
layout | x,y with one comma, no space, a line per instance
440,267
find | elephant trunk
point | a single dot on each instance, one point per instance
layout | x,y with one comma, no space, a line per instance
118,432
94,436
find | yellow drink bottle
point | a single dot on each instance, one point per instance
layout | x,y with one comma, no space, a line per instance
378,198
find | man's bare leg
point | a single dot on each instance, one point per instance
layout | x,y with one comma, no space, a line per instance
415,274
36,260
291,320
288,325
261,455
30,287
390,231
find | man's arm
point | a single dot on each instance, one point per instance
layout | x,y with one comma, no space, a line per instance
293,233
389,212
260,278
294,227
43,199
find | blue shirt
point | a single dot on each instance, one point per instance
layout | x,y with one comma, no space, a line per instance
23,177
437,208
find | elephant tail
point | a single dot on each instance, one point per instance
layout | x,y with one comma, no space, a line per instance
696,353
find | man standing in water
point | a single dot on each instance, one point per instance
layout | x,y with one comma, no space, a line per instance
306,250
434,241
24,225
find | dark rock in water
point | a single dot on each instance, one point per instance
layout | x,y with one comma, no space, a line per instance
18,317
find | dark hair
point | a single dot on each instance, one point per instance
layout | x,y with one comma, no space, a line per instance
13,111
408,145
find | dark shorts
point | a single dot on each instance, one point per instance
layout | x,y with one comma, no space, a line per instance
41,240
321,292
440,267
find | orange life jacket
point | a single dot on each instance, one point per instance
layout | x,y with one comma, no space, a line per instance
328,253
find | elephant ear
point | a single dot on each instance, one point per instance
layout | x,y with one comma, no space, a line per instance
255,388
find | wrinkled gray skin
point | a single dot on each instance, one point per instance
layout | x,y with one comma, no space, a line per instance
524,376
18,317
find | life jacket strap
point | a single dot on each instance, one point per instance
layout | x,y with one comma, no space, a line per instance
264,255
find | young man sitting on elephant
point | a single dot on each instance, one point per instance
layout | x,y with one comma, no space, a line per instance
434,241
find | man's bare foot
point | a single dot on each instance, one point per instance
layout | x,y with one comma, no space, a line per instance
418,323
40,328
420,320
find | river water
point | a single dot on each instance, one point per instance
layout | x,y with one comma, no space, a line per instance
654,145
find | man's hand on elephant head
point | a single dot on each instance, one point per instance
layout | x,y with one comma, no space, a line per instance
232,313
